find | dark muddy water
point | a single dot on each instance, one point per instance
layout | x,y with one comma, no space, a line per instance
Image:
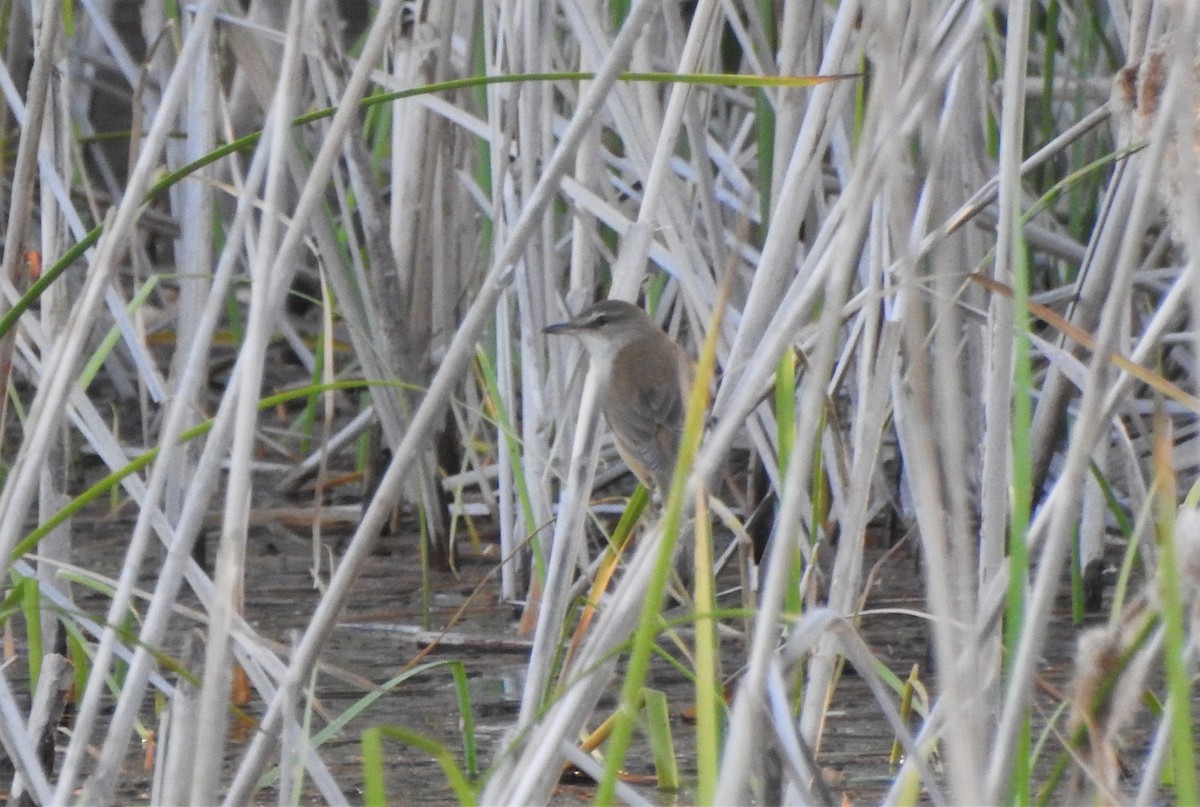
389,598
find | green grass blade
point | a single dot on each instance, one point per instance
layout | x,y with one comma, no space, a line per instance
373,763
662,745
467,715
1174,616
709,695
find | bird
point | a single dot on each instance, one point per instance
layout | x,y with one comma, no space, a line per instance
645,378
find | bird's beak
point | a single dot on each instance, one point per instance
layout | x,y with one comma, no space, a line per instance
562,327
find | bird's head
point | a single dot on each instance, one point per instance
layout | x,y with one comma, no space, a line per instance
606,327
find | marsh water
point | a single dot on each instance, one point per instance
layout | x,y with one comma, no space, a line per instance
375,642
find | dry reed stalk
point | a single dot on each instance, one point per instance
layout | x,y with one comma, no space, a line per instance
864,223
1090,424
458,353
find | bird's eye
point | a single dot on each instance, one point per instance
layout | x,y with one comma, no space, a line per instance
600,320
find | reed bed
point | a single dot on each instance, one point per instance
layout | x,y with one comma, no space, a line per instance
935,260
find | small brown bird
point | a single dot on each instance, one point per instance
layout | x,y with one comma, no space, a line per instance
645,379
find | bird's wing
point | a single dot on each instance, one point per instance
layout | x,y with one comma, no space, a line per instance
648,432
